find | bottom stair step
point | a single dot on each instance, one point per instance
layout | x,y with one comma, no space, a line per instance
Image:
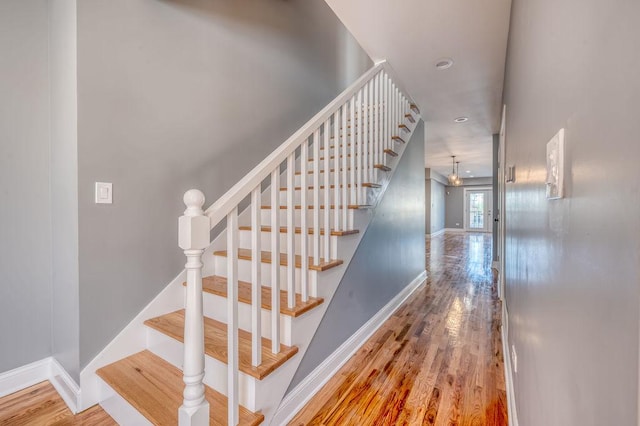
154,388
215,343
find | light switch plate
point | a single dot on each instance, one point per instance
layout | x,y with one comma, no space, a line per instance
104,193
555,166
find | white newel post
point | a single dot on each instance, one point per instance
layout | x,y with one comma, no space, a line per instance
193,235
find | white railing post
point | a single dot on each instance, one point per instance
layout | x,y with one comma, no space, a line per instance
193,238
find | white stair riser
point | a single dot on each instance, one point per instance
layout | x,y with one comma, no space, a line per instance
265,217
215,376
119,408
215,307
265,242
244,273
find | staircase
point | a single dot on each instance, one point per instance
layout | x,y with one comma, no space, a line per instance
255,295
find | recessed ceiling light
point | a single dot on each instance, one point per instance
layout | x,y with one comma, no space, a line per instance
461,119
471,176
444,63
468,171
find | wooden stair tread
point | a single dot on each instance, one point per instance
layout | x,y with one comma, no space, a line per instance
310,172
334,147
415,108
382,167
333,157
409,117
218,285
404,127
310,207
364,185
215,343
284,229
398,139
390,152
154,388
245,254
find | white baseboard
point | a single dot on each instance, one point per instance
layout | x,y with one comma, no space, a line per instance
508,371
435,234
301,394
460,230
39,371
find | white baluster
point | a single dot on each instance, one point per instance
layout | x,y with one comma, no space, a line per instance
256,279
193,238
352,151
372,162
232,317
336,173
316,193
365,135
376,121
389,145
275,259
345,179
361,199
291,232
383,118
304,231
327,189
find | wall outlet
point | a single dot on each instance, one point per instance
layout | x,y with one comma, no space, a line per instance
514,358
457,224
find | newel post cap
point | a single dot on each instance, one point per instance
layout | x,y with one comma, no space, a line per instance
194,225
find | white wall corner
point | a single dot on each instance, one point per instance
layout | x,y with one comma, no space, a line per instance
295,400
39,371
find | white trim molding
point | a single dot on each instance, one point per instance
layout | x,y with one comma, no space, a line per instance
301,394
39,371
508,371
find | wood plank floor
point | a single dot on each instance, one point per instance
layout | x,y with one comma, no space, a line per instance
40,405
437,360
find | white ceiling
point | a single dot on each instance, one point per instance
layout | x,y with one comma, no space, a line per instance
412,35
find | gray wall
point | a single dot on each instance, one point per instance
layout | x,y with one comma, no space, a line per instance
435,206
390,255
573,265
25,220
180,94
454,201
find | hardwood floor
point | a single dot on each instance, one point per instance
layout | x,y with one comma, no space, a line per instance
40,405
437,360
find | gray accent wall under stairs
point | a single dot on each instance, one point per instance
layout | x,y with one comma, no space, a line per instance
390,255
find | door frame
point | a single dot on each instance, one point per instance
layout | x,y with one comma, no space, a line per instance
465,216
502,193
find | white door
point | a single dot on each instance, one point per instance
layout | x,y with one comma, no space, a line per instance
478,214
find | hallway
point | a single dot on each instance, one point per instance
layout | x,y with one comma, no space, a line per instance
437,360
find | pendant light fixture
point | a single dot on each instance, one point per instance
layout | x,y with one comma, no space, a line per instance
453,177
459,180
